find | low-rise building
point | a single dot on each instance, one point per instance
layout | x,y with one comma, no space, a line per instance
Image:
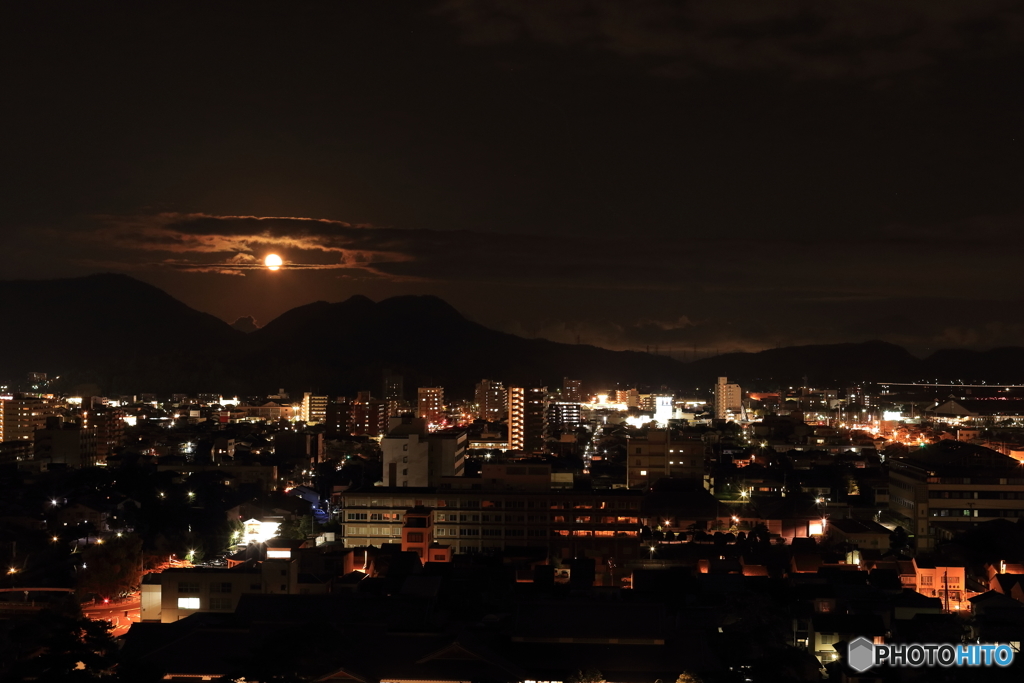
662,453
954,482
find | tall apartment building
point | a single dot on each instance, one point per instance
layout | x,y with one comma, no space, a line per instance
527,418
516,418
564,416
954,486
430,404
369,416
338,417
394,394
21,417
572,390
393,386
535,423
109,425
65,443
728,399
663,453
314,409
415,457
491,400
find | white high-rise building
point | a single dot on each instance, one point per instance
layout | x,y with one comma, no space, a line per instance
414,457
728,399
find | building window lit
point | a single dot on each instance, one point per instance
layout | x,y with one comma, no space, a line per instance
188,603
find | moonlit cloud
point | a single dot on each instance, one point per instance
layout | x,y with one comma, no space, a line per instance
228,245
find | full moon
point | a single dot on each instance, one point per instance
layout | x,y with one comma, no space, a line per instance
273,261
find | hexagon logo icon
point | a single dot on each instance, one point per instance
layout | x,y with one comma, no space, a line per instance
860,654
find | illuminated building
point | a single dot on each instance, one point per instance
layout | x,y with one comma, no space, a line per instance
369,416
516,416
21,417
663,409
564,416
567,523
572,390
271,411
414,457
430,404
491,400
176,593
953,486
418,536
109,425
65,443
728,399
534,419
338,417
661,453
314,409
394,394
393,386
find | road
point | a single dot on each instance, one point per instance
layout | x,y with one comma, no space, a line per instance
121,615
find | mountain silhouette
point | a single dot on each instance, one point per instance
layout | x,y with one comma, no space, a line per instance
126,336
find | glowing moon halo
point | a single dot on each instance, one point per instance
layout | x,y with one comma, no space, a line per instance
273,261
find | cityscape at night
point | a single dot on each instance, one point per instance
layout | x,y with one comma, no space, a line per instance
512,341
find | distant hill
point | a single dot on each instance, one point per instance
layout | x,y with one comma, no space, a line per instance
110,330
127,336
822,365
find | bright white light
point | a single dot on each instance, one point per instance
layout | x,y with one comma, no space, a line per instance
258,531
273,261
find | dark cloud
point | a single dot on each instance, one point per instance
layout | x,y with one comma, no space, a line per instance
804,38
829,267
629,173
694,294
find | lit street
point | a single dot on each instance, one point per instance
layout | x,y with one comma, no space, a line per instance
120,614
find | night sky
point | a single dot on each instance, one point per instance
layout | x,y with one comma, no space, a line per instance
712,175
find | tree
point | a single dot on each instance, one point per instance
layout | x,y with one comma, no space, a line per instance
898,539
111,568
586,676
761,534
48,646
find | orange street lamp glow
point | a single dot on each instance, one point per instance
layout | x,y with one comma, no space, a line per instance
273,261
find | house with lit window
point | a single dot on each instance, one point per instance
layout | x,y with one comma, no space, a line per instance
828,629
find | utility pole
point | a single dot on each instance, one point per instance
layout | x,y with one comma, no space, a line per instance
945,586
